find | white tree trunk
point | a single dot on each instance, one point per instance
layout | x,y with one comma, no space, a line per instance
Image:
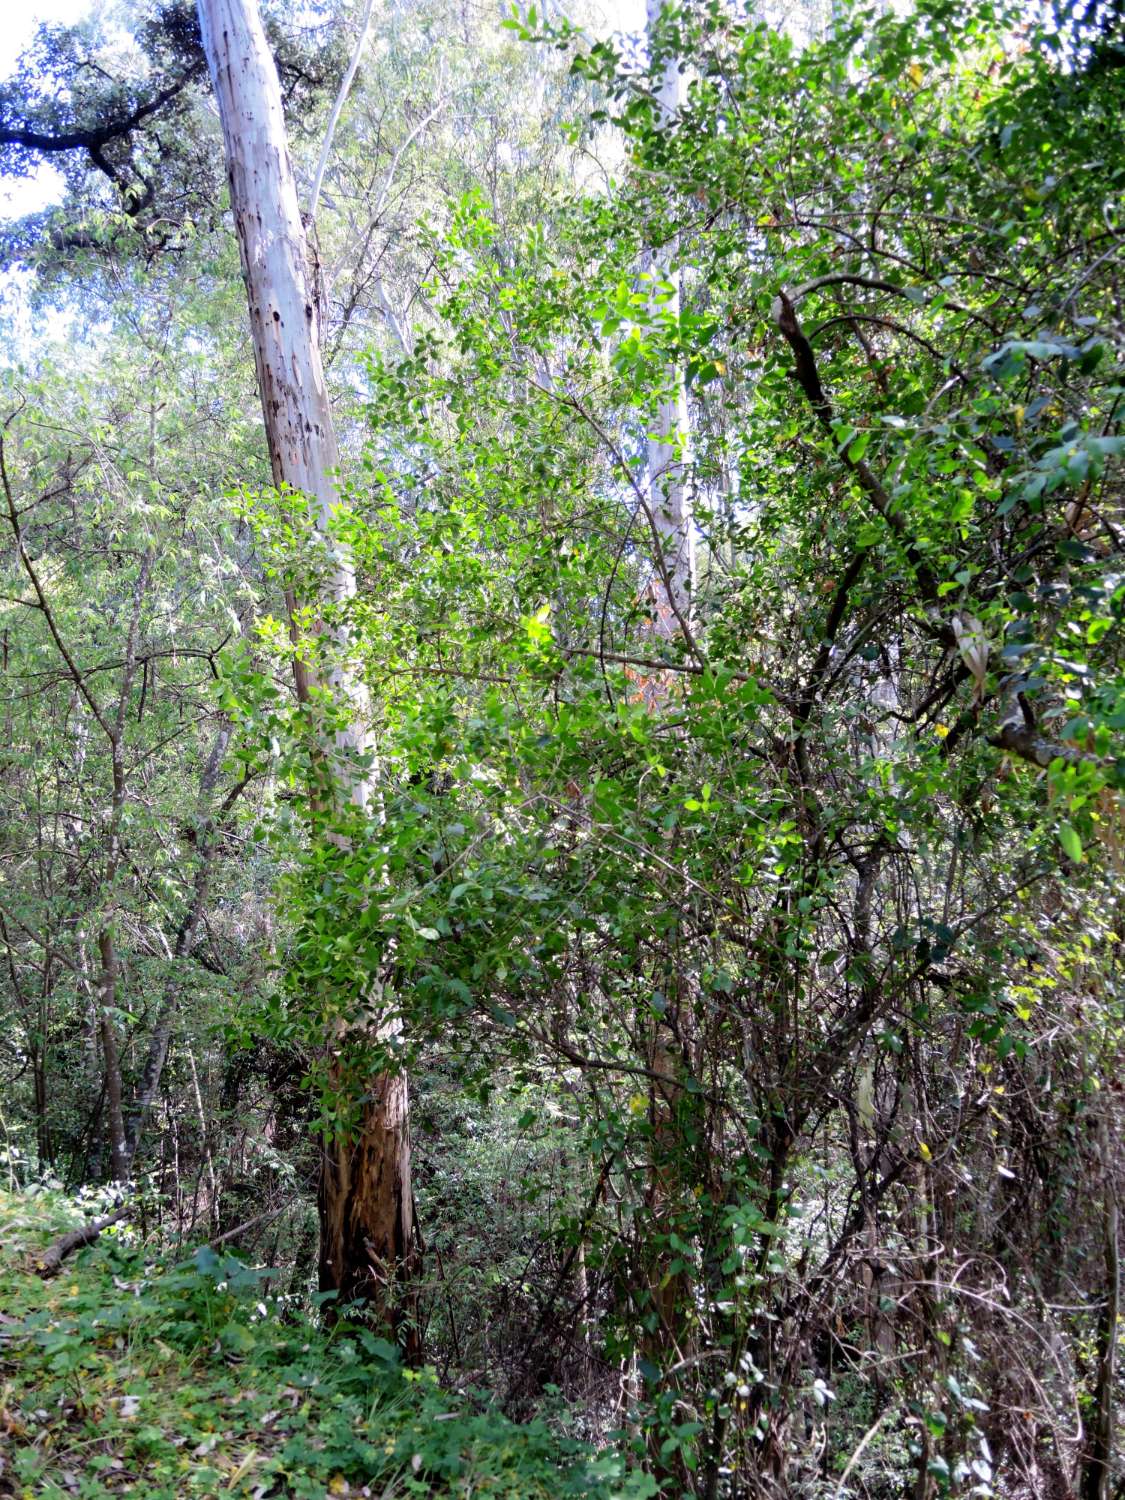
283,310
670,499
366,1205
272,240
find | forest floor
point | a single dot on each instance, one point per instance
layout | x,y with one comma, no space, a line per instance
128,1374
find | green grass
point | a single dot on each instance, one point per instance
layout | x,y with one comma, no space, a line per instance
128,1375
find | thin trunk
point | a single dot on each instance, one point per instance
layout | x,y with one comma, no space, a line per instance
207,845
36,1033
42,1124
1098,1465
107,952
107,995
667,1336
104,990
205,1139
337,110
367,1230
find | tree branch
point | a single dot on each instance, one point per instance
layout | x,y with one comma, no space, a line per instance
808,378
1028,744
49,1263
28,567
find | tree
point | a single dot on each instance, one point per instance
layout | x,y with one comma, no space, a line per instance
757,974
840,822
368,1241
668,481
119,111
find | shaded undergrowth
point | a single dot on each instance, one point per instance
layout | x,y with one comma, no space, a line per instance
130,1373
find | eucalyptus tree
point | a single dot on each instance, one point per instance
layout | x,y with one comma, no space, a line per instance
125,91
120,110
368,1241
795,999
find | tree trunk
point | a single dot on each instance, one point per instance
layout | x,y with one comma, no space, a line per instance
669,497
107,998
368,1244
35,1024
114,730
365,1199
1098,1466
49,1261
670,1295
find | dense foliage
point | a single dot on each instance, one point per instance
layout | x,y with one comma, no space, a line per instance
753,960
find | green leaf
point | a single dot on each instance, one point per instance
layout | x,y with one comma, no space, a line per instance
1070,841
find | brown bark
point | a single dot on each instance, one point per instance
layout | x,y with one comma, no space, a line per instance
1029,745
669,1295
369,1249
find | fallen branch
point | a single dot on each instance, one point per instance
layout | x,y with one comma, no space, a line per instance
240,1229
50,1261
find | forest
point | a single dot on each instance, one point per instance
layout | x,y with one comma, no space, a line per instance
562,583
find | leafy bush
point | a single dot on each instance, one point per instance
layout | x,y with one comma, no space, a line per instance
129,1375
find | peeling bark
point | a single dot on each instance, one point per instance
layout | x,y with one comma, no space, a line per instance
368,1241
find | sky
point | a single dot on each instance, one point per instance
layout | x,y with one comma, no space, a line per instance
18,23
17,27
